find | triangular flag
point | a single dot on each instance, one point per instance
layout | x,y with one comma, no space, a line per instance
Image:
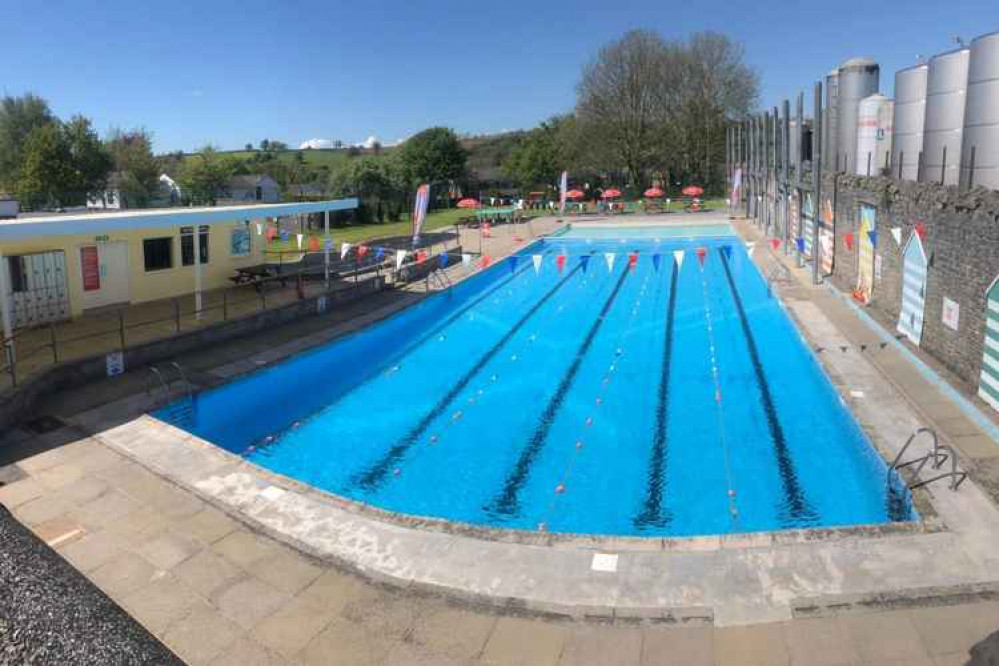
285,236
361,251
260,228
421,256
632,260
749,247
513,262
487,230
536,258
299,238
466,259
873,235
896,233
379,254
678,258
484,261
727,251
329,244
584,261
400,256
774,243
560,262
921,230
609,258
344,249
442,260
702,254
801,244
656,260
271,233
848,239
314,244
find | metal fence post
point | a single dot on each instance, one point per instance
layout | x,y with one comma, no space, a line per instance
54,342
121,328
176,315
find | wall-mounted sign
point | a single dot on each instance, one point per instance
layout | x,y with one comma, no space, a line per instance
90,266
877,267
321,305
951,313
103,238
115,363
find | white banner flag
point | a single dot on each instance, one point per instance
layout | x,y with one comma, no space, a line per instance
400,256
896,233
299,238
609,258
678,258
536,258
344,249
563,187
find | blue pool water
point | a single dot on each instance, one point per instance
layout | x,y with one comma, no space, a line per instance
671,401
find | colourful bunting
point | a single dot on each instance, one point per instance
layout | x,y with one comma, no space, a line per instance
466,259
848,240
536,259
560,262
487,230
484,261
329,244
609,258
421,256
380,254
656,260
921,230
344,249
702,254
400,256
632,260
513,262
271,233
727,251
260,228
678,258
285,235
801,244
442,260
584,261
774,244
873,236
314,244
361,251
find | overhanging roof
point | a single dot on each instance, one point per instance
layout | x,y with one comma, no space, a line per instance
96,223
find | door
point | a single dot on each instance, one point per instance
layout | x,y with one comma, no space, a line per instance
104,273
37,288
808,224
865,254
988,385
910,318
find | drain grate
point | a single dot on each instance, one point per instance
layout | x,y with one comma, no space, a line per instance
43,424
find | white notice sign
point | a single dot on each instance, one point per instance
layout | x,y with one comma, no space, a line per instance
115,363
951,313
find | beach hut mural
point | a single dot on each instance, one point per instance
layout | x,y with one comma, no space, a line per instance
808,224
865,254
826,245
914,263
988,385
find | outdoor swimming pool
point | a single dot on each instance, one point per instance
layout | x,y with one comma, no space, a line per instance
667,394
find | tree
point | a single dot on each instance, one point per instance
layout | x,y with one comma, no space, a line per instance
248,147
278,145
137,169
542,153
205,176
46,175
19,116
265,145
90,159
433,155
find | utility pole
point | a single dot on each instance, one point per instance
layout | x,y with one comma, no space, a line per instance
816,184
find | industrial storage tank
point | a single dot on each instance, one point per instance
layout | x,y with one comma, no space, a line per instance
874,123
946,88
858,78
980,152
910,112
829,124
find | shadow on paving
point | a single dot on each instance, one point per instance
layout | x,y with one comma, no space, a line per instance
986,651
50,613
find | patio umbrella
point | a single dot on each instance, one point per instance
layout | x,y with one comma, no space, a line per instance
468,203
574,194
692,191
653,193
611,193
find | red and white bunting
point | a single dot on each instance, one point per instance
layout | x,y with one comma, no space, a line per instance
400,256
536,258
466,259
609,258
344,249
702,254
678,258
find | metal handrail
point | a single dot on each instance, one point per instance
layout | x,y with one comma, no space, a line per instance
187,382
166,387
939,454
956,477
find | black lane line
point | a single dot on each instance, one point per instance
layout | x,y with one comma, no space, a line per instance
506,502
652,513
375,475
798,508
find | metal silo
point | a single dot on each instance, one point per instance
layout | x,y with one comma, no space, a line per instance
858,78
910,112
874,123
980,152
829,124
946,87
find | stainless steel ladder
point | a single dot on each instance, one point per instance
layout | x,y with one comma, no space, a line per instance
440,277
178,410
938,454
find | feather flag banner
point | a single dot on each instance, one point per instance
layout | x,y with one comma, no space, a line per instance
873,235
344,249
848,239
921,230
609,258
678,258
400,256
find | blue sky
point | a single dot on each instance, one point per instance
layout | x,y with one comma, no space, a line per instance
231,72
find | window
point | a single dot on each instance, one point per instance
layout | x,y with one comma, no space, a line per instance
260,193
240,245
18,281
187,245
158,253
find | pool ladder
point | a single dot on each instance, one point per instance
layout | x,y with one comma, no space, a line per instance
177,411
937,456
440,278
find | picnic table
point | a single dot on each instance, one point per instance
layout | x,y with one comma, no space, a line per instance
254,275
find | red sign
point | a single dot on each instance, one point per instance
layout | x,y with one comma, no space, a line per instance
90,263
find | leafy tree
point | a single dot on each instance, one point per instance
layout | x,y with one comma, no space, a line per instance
90,159
265,145
19,116
369,178
541,154
433,155
205,176
138,170
278,145
248,147
47,175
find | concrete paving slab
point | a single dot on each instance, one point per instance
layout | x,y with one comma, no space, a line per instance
247,652
161,603
525,641
344,643
201,636
291,627
744,646
595,645
244,549
819,642
286,571
206,572
880,638
124,573
92,550
246,601
20,492
678,646
167,550
208,525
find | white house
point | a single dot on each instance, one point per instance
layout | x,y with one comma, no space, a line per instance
252,188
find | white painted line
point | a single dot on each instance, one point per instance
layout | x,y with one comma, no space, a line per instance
271,493
856,394
606,562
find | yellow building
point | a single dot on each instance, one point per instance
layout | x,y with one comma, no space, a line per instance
60,266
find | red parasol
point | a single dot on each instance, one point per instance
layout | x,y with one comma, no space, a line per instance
574,194
468,203
692,191
653,193
611,193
